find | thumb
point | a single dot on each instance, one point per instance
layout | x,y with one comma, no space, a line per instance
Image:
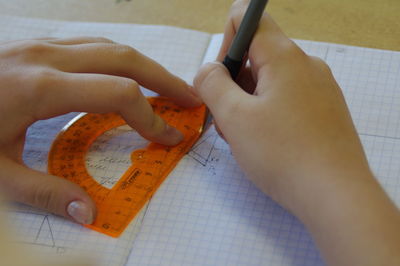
216,88
51,193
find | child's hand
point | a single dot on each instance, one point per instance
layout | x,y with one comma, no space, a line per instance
294,126
295,139
40,79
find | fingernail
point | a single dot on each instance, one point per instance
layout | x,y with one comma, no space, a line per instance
174,133
80,211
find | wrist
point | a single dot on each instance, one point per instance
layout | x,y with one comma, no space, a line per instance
331,190
322,173
350,216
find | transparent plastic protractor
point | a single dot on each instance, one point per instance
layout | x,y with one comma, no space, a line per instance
109,156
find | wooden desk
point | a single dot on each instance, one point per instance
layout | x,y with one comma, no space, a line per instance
369,23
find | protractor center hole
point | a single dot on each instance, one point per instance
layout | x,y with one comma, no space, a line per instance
110,155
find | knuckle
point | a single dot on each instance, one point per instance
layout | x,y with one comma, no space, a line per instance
42,79
44,197
31,50
125,52
290,49
288,52
320,64
204,75
129,93
37,82
239,7
100,39
208,74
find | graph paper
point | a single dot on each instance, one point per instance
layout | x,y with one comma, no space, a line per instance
207,212
213,216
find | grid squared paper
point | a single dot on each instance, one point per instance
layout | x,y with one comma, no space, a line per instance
207,212
370,80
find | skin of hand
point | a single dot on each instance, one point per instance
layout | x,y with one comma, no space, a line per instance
44,78
295,139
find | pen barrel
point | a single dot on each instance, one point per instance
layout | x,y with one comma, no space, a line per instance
247,28
233,66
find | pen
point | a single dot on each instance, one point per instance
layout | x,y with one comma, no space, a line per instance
234,59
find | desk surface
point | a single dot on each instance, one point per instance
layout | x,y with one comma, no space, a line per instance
369,23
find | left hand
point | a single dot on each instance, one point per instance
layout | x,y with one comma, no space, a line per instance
40,79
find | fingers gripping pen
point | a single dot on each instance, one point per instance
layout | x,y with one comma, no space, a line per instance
234,59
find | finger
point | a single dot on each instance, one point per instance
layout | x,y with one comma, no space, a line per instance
236,13
99,94
27,40
122,60
229,34
50,193
269,45
218,91
79,40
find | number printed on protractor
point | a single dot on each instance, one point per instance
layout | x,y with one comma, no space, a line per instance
116,207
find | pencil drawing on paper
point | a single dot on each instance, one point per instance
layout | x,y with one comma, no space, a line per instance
202,151
41,231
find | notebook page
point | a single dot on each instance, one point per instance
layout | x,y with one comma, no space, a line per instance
208,213
370,80
181,51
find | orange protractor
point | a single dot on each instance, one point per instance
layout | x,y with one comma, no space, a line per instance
117,206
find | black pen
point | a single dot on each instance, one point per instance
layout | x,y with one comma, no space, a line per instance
234,59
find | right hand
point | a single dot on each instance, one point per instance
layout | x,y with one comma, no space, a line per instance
295,139
295,127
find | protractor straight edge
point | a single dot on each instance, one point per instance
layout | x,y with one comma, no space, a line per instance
116,207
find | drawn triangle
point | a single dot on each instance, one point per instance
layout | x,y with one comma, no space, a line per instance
45,234
201,152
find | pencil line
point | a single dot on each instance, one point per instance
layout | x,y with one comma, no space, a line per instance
40,229
378,136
